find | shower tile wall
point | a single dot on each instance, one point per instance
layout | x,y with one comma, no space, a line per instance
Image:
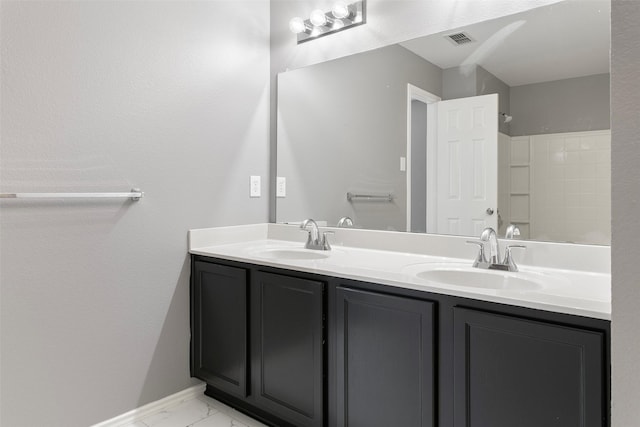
520,188
504,182
569,185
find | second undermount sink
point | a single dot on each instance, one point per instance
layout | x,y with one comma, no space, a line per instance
290,254
467,276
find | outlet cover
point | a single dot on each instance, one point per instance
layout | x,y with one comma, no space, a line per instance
254,186
281,186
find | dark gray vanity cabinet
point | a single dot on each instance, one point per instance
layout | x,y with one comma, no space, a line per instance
258,340
219,326
287,338
296,349
516,372
385,360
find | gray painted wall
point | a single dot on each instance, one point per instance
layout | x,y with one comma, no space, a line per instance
102,96
341,129
625,150
570,105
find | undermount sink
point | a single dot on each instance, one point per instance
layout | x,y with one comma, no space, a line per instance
291,254
479,279
467,276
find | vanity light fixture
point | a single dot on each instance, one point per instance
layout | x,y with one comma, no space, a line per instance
318,18
297,25
341,17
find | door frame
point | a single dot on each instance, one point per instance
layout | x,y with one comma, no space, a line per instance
414,93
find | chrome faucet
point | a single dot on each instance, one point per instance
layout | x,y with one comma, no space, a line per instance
490,259
345,222
313,240
512,231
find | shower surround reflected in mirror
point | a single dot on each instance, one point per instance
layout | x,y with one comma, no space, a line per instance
345,126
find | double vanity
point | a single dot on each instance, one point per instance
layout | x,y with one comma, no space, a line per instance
399,329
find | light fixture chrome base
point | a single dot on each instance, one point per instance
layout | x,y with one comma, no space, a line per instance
357,16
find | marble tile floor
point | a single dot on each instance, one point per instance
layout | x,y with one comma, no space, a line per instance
200,411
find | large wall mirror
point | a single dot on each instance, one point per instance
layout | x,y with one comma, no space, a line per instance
497,123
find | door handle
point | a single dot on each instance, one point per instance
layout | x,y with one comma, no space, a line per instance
489,211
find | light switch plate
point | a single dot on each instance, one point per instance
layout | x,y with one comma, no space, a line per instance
254,186
403,164
281,186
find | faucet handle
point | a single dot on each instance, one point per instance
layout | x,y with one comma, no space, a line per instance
480,258
325,241
508,258
508,247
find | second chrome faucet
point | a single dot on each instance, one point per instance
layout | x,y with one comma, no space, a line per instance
314,241
489,252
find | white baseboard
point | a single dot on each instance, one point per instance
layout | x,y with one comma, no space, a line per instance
153,407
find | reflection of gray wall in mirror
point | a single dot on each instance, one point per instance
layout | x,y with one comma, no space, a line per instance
570,105
358,106
459,83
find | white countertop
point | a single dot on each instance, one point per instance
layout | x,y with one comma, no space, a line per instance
583,292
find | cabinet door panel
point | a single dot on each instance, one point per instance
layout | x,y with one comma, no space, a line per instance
219,327
514,372
385,360
287,347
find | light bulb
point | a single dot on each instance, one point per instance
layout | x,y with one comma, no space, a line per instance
337,24
318,18
340,10
296,25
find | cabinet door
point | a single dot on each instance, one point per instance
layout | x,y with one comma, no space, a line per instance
385,360
287,347
514,372
219,326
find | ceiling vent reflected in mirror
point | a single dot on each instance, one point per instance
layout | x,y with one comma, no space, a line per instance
459,38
